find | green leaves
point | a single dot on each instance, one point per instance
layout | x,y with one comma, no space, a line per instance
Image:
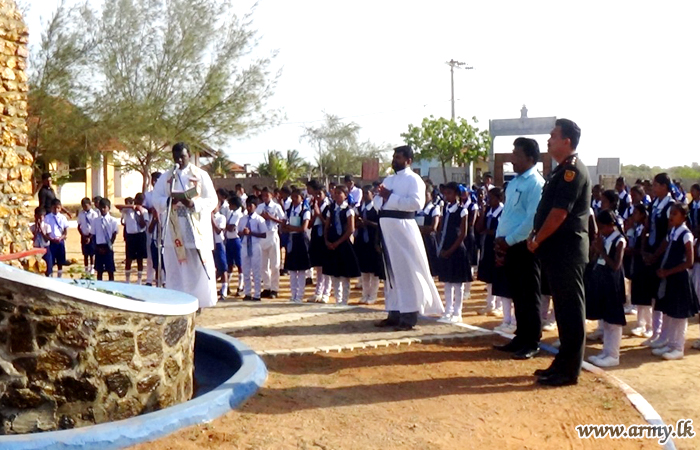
281,168
452,142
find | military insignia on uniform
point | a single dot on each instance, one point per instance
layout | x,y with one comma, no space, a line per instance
569,175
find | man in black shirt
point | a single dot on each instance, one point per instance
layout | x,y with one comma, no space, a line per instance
46,192
560,239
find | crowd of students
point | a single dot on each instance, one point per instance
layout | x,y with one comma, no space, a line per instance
644,250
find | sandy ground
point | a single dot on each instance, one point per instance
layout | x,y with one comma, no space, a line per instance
423,397
341,423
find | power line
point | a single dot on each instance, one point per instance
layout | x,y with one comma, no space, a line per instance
362,115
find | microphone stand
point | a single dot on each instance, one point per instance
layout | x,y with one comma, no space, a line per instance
163,228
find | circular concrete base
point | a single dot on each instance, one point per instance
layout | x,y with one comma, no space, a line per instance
227,373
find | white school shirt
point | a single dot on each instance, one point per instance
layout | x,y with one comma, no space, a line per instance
103,228
58,223
295,212
349,212
356,193
84,219
607,243
131,223
39,241
274,209
234,219
255,224
676,232
220,222
326,203
224,210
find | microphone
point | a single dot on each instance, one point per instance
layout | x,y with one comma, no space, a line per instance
176,167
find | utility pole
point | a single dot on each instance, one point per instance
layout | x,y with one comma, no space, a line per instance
460,65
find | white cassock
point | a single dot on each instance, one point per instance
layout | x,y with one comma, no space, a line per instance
184,267
412,287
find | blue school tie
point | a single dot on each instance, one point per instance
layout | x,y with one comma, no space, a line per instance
336,220
250,240
444,228
365,230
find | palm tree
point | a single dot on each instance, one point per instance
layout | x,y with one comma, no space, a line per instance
220,166
283,169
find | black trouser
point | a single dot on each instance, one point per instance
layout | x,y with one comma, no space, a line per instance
399,318
566,280
523,273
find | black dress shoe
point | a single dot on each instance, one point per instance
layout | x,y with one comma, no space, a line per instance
526,353
545,372
309,281
557,380
403,327
265,293
256,299
510,347
247,298
273,294
386,323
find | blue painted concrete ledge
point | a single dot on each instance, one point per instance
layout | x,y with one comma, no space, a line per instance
227,373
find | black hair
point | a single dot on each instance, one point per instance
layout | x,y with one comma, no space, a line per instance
295,192
348,177
85,201
45,176
638,189
39,210
252,200
405,150
530,147
55,202
96,200
341,187
238,185
139,198
376,183
222,192
256,187
105,203
181,146
315,185
453,186
664,179
155,175
286,190
265,189
367,188
681,208
129,200
235,202
695,186
496,192
612,197
620,180
606,217
642,209
569,130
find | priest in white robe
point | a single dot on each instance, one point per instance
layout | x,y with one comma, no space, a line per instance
409,287
188,234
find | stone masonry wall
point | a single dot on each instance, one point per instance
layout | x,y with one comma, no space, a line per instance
65,363
15,161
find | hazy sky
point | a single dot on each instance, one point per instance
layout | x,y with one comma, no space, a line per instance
626,71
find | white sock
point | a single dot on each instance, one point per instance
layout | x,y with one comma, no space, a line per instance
127,274
224,288
345,281
449,298
680,328
657,319
490,300
459,298
612,335
373,287
139,276
59,274
507,311
544,306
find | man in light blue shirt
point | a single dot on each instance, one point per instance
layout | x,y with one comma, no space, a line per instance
521,267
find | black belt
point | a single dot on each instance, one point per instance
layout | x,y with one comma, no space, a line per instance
397,214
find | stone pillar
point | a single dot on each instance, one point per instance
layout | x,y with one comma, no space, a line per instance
108,169
15,162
